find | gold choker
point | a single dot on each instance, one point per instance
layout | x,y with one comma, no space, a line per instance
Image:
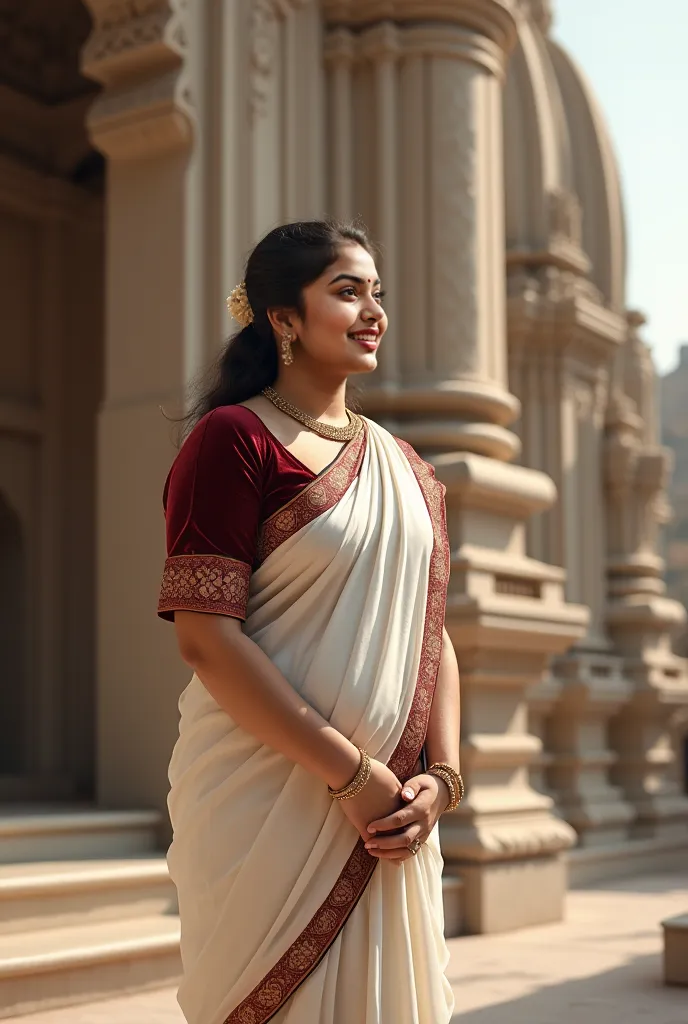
324,429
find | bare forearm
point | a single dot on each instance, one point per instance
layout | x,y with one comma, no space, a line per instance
442,742
254,693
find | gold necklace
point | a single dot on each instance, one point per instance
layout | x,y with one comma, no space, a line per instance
324,429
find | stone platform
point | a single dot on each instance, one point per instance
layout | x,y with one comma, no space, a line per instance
603,965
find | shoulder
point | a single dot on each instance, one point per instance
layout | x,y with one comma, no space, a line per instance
227,429
225,443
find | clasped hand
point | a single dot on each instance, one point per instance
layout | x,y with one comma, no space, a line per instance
389,817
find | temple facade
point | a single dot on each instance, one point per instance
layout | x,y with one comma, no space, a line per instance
145,145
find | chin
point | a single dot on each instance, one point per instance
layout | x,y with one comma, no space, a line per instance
366,365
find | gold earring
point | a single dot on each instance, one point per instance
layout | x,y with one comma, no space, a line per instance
287,354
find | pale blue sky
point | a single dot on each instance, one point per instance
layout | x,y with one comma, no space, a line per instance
636,56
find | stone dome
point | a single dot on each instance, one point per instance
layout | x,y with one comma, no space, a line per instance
563,196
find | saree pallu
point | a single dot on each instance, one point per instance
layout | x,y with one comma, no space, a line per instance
285,916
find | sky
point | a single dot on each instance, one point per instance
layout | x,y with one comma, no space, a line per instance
636,56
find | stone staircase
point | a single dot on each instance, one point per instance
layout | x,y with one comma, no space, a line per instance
87,909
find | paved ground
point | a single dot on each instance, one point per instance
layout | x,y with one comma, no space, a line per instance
601,966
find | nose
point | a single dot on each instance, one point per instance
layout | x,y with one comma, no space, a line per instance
373,315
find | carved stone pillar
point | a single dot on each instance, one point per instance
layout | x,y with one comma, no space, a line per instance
212,119
641,618
563,337
142,121
425,86
431,190
561,346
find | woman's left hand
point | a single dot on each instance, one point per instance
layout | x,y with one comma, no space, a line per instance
426,797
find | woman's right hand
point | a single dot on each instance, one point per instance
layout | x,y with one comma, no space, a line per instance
380,796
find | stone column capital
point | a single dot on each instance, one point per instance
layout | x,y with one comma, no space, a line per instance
491,19
340,48
387,41
137,51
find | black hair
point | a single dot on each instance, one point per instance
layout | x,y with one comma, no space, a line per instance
282,264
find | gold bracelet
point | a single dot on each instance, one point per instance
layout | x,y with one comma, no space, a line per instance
453,780
359,780
448,780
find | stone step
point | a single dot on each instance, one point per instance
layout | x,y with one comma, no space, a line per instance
676,950
58,833
63,966
54,894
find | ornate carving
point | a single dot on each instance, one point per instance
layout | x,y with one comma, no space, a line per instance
266,16
565,216
264,38
639,378
636,473
550,284
123,27
489,19
115,38
146,108
41,40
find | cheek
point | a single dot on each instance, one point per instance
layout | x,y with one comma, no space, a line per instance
339,317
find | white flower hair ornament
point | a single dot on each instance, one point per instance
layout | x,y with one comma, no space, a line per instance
239,307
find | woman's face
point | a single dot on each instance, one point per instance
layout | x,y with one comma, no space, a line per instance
344,322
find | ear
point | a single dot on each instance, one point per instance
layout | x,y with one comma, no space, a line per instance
281,320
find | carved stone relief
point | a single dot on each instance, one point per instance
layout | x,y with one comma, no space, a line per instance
565,216
116,36
146,106
550,284
266,16
264,40
122,27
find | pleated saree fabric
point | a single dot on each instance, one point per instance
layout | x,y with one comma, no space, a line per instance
285,916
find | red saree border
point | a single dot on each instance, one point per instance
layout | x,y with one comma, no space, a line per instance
411,743
317,497
304,955
205,583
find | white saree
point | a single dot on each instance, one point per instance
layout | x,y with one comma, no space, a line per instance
285,916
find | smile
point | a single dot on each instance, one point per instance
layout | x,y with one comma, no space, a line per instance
369,339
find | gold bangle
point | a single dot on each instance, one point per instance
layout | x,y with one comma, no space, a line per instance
359,780
453,780
448,780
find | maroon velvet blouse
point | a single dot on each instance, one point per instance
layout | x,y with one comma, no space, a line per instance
230,475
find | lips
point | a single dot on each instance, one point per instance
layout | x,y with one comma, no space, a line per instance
368,339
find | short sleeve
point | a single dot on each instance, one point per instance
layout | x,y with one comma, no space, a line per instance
212,503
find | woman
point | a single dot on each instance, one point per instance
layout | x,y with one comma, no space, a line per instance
306,579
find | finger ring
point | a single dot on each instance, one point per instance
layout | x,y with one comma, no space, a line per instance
415,846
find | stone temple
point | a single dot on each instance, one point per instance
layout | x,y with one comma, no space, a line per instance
145,146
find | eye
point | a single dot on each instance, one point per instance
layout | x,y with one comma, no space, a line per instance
348,291
380,296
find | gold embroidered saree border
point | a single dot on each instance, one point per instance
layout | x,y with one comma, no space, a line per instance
321,494
304,955
205,583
